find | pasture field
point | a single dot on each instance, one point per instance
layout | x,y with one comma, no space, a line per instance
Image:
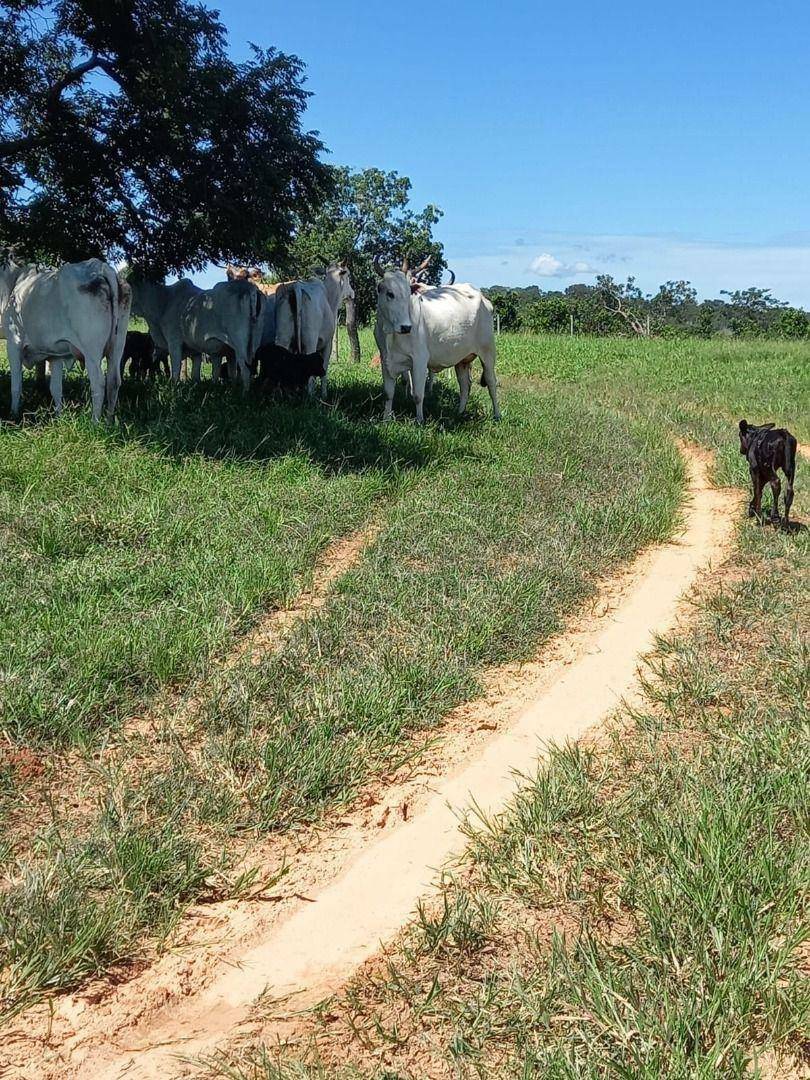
134,558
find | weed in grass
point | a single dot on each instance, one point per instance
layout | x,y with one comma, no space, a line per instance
461,923
85,905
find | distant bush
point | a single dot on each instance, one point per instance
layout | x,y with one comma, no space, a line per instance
674,311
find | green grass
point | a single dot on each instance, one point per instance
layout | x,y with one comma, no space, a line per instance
700,388
477,562
136,556
131,557
640,910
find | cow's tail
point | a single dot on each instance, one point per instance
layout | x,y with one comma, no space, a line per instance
490,326
790,457
116,295
255,311
298,300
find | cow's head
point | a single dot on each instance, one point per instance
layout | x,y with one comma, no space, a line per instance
393,299
748,433
344,281
336,276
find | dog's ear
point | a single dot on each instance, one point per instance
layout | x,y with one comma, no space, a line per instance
743,427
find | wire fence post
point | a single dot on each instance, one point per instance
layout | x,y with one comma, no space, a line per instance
571,318
498,323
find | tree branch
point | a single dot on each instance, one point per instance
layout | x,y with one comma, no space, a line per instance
11,147
638,327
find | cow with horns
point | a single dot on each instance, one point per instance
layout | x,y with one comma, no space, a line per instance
422,330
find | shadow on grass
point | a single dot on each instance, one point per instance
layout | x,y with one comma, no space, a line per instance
217,421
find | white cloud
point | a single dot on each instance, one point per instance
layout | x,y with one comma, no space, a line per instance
547,265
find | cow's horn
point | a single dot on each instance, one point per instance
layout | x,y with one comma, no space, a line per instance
424,264
378,266
452,280
405,265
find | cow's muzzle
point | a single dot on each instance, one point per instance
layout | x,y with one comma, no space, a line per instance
405,329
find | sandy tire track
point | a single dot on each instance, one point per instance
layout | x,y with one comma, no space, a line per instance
357,882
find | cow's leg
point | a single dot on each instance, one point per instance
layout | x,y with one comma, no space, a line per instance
42,376
196,367
418,381
788,497
176,358
57,370
464,380
243,370
431,380
755,506
776,488
96,377
14,353
389,385
216,368
487,357
326,354
113,386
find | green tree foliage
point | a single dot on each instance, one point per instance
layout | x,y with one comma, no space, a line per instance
751,310
549,315
367,215
611,307
792,323
127,131
506,305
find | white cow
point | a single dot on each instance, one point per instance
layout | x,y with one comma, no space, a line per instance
78,312
306,315
186,320
425,331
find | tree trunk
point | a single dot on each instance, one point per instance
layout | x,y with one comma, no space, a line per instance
351,330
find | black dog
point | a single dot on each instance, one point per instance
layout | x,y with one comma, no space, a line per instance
768,449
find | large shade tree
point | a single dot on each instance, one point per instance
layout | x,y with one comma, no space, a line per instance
367,215
127,131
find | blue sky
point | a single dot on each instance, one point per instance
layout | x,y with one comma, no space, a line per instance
666,141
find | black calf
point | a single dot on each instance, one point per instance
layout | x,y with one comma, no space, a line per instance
767,449
142,356
277,367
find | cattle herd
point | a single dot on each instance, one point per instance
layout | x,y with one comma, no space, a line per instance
245,328
279,333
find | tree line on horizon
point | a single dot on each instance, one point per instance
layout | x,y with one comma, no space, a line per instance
609,307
